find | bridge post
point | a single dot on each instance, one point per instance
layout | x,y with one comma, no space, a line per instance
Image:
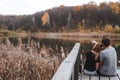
77,67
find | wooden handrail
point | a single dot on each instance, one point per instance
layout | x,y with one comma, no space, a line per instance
68,70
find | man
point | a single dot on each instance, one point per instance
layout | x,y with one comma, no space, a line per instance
108,59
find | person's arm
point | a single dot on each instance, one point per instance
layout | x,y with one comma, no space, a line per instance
101,58
96,56
98,64
101,63
93,42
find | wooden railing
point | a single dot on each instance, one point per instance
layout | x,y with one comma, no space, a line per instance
69,68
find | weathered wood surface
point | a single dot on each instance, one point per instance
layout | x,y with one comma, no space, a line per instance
86,77
66,69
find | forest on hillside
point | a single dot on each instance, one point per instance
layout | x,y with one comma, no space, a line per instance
92,17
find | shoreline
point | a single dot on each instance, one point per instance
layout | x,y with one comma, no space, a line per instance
65,35
92,35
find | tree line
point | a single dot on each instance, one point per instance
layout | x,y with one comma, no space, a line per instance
66,18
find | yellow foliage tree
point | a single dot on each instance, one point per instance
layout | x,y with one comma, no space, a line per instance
45,19
103,4
76,8
62,6
114,7
117,29
79,26
108,28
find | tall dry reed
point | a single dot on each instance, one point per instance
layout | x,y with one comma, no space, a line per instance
20,63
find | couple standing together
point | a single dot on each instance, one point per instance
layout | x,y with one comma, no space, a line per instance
101,60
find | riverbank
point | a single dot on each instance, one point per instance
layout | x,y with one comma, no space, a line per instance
64,35
77,35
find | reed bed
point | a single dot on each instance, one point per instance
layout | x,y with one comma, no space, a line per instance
19,63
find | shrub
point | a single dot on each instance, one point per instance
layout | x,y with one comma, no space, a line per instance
108,28
117,29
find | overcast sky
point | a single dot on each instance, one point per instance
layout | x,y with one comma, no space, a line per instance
20,7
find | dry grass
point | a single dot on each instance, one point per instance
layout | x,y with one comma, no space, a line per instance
18,63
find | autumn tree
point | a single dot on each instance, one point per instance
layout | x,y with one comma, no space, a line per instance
46,19
63,18
114,7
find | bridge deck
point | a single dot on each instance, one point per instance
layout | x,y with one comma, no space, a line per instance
69,68
86,77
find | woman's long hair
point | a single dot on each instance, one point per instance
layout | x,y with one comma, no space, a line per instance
97,47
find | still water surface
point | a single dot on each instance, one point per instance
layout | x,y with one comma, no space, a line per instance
66,45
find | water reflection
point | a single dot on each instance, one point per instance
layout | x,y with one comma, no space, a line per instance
59,47
56,46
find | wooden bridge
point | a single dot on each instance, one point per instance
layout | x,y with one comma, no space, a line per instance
69,68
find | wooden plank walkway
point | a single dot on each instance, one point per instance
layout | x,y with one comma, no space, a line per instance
86,77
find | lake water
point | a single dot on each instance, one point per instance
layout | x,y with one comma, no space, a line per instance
62,45
66,45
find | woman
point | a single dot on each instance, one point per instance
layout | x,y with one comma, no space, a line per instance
92,60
